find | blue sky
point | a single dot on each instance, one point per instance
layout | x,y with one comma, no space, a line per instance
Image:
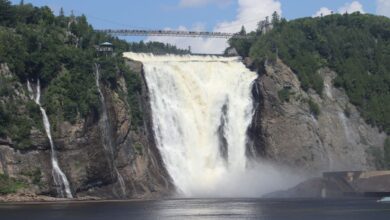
217,15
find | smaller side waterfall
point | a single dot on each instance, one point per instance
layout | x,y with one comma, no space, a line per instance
105,128
347,130
59,177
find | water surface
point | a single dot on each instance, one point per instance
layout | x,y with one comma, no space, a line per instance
345,209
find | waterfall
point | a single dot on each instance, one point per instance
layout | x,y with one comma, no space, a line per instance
346,128
105,128
328,90
59,177
202,107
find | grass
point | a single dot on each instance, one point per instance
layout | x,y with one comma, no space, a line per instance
9,185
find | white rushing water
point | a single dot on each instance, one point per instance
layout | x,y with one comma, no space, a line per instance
105,127
202,107
347,130
59,177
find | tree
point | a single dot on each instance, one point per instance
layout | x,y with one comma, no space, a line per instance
21,2
275,19
6,15
62,13
243,31
355,46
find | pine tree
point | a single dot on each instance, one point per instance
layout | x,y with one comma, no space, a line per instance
62,13
243,31
6,12
275,18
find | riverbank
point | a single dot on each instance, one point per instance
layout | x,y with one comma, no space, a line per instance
32,198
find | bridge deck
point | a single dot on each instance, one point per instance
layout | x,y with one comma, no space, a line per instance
128,32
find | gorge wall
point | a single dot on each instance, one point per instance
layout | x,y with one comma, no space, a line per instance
290,127
307,131
81,153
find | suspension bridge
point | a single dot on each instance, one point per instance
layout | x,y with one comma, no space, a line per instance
171,33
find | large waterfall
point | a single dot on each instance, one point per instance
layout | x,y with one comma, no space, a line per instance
202,107
59,177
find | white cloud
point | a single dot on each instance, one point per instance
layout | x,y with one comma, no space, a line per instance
351,7
347,8
199,3
249,13
324,11
383,7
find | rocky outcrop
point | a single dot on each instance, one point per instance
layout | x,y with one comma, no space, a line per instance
27,164
340,184
291,134
82,157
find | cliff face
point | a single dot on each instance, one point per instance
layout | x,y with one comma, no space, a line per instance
81,153
290,131
286,128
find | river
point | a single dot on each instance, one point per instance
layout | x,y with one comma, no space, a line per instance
263,209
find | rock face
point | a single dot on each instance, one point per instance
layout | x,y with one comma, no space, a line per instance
290,133
81,154
285,130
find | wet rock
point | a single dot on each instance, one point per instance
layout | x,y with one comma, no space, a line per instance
81,154
287,131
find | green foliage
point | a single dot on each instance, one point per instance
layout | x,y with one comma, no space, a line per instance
9,185
109,70
15,125
19,131
134,89
35,175
289,42
314,108
284,95
275,19
386,157
242,45
5,86
5,119
356,46
71,94
60,52
6,12
156,48
12,50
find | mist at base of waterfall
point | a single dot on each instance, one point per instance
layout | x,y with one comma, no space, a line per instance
257,180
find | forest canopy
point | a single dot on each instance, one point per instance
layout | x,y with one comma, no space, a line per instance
60,51
356,46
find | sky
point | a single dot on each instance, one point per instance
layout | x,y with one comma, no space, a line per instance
201,15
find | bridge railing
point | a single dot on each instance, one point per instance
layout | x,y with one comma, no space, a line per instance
128,32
